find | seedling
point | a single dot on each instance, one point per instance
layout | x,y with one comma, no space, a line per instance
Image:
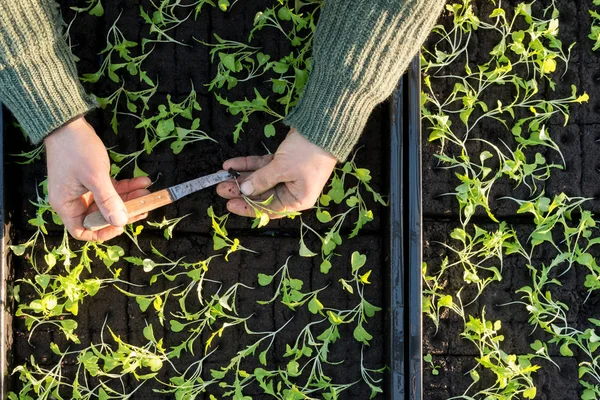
168,225
435,369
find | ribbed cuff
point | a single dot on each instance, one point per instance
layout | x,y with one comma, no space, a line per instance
331,114
361,48
43,92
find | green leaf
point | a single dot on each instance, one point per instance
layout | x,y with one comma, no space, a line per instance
228,61
143,302
529,393
219,243
357,261
269,130
165,127
264,280
369,308
588,394
137,172
296,284
585,259
280,68
301,76
565,350
325,266
292,368
445,301
176,326
223,5
361,335
305,251
323,216
19,249
314,305
43,280
68,324
149,333
262,357
262,58
148,265
102,395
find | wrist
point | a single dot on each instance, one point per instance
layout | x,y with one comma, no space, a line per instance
77,124
314,148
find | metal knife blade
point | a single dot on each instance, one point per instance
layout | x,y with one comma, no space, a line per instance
183,189
95,221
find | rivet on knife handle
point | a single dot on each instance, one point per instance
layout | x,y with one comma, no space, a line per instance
95,221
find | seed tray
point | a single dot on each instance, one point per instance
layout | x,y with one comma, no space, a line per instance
403,241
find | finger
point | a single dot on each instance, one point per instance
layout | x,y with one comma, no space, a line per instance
135,194
231,190
250,163
108,201
228,190
241,208
124,196
137,218
102,235
262,180
80,233
283,200
232,186
129,185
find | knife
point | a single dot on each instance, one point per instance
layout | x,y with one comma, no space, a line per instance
95,221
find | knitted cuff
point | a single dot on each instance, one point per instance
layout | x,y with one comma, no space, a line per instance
43,92
361,48
331,114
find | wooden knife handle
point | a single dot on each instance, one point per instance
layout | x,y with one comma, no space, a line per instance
95,221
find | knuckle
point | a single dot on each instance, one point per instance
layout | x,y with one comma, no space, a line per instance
305,204
263,181
77,236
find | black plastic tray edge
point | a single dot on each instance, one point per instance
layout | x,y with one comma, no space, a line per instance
404,242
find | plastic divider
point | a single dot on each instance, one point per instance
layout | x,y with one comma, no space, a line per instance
404,242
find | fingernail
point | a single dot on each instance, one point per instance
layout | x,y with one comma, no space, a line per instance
247,188
119,218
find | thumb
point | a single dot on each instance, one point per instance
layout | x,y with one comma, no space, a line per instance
261,180
109,202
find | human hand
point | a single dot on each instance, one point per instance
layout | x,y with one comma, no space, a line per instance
294,175
79,182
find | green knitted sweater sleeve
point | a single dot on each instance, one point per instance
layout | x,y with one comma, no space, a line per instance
38,78
361,48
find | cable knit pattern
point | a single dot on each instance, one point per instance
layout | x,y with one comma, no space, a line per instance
38,78
361,48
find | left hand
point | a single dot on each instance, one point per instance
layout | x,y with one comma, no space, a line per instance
79,182
294,175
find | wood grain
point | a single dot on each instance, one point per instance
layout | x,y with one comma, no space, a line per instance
95,221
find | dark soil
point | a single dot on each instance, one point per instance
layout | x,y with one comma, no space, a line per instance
178,68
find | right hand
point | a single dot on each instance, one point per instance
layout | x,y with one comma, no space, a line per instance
79,182
295,176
